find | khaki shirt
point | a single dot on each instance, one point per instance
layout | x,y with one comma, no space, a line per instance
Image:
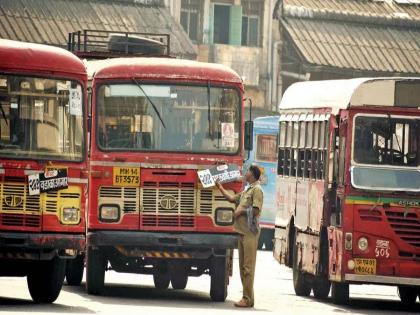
252,196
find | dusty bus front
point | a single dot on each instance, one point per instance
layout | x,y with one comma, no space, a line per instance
42,157
349,186
156,122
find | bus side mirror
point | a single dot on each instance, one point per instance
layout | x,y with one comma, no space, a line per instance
248,137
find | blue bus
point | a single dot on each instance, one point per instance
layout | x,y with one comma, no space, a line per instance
264,155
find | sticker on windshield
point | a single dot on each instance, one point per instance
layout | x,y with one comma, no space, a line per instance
228,135
76,101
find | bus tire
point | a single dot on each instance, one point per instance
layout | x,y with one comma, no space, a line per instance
321,287
408,295
219,278
74,270
261,242
179,281
340,293
161,280
301,285
46,280
95,271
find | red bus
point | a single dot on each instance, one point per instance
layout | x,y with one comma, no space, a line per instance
43,182
155,123
348,186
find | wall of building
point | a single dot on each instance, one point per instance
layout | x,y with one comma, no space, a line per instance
253,63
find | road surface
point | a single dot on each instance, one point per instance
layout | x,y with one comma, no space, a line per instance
135,294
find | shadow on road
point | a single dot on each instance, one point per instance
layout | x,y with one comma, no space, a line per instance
140,295
23,305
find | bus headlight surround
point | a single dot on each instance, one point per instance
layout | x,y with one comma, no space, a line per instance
224,216
109,213
70,215
363,244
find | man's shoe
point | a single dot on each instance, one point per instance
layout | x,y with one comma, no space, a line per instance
243,303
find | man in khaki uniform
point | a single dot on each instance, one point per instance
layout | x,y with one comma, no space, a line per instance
248,209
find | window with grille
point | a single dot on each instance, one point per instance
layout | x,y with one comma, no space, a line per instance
303,148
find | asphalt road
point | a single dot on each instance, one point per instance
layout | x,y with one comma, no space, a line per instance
135,294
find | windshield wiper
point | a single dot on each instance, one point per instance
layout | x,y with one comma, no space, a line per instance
150,101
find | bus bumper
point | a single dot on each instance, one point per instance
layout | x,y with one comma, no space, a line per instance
162,240
39,246
386,280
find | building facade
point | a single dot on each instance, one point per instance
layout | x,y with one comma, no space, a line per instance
240,34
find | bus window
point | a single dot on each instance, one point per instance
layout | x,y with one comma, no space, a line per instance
301,151
386,140
266,148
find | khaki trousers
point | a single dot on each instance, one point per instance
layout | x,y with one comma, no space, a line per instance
247,248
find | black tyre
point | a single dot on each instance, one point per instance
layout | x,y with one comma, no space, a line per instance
179,281
340,293
261,242
95,271
219,273
161,280
321,288
408,295
74,271
46,279
268,239
301,285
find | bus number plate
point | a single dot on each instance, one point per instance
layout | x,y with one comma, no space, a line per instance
126,176
365,266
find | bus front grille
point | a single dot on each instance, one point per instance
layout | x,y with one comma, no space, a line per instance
184,221
406,224
18,208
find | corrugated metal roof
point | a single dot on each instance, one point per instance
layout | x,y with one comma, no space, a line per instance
368,8
349,45
50,21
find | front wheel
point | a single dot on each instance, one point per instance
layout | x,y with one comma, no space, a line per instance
340,293
179,282
321,287
95,271
161,280
301,285
46,279
408,295
219,273
74,270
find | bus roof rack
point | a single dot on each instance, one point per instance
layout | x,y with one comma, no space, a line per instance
99,44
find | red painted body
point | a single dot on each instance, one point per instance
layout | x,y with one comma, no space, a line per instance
308,207
19,58
172,167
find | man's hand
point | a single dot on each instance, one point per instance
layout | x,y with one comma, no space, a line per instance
219,185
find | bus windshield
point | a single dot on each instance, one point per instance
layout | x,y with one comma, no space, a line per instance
390,146
40,118
170,118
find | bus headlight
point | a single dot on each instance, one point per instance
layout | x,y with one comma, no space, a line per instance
224,216
70,215
363,243
109,213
